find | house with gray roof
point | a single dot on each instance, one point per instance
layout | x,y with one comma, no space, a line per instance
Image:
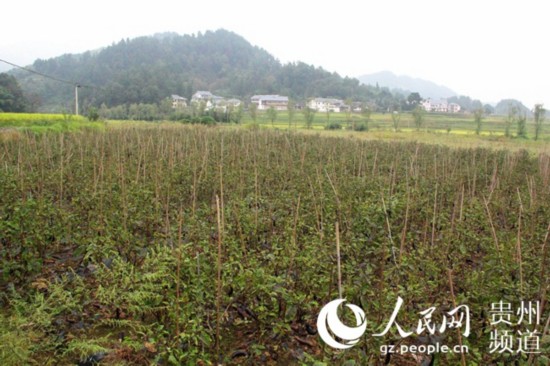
178,101
264,102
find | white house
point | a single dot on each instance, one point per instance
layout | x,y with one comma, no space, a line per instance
264,102
431,105
327,105
201,96
358,107
454,108
178,101
210,100
441,106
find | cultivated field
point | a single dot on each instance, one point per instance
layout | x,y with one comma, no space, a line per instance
459,123
172,244
454,130
42,122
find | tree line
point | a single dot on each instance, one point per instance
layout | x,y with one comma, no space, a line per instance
12,98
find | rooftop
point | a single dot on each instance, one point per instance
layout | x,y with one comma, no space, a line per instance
270,97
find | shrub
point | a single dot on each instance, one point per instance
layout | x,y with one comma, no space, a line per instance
206,120
333,126
361,127
93,114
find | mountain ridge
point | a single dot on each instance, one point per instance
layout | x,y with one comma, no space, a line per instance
407,84
150,68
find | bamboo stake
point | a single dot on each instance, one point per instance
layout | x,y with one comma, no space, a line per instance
462,355
374,162
294,247
221,188
61,158
219,278
461,203
543,278
333,189
404,231
338,261
178,271
389,231
256,194
495,238
359,171
434,215
518,244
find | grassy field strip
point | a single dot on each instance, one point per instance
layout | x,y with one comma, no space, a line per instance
41,122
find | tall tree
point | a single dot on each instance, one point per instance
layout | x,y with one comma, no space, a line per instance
539,119
12,98
413,100
478,119
309,115
327,113
238,114
291,109
395,117
253,110
512,114
272,115
349,112
366,113
202,108
418,116
522,125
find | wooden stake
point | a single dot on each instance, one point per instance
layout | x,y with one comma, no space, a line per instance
518,244
451,287
404,232
495,238
434,216
338,261
219,279
461,203
389,230
178,271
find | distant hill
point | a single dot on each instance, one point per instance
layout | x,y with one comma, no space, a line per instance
4,67
504,105
148,69
407,84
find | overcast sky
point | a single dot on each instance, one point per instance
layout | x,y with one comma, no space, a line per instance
486,49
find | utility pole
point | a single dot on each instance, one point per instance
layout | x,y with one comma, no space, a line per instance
76,98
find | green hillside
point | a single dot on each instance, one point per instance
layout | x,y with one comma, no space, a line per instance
148,69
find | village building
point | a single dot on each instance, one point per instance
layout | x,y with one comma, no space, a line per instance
327,105
178,101
202,96
212,101
264,102
441,106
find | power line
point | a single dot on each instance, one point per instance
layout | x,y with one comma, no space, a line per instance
69,82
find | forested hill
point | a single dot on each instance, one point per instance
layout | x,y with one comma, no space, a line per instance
149,69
